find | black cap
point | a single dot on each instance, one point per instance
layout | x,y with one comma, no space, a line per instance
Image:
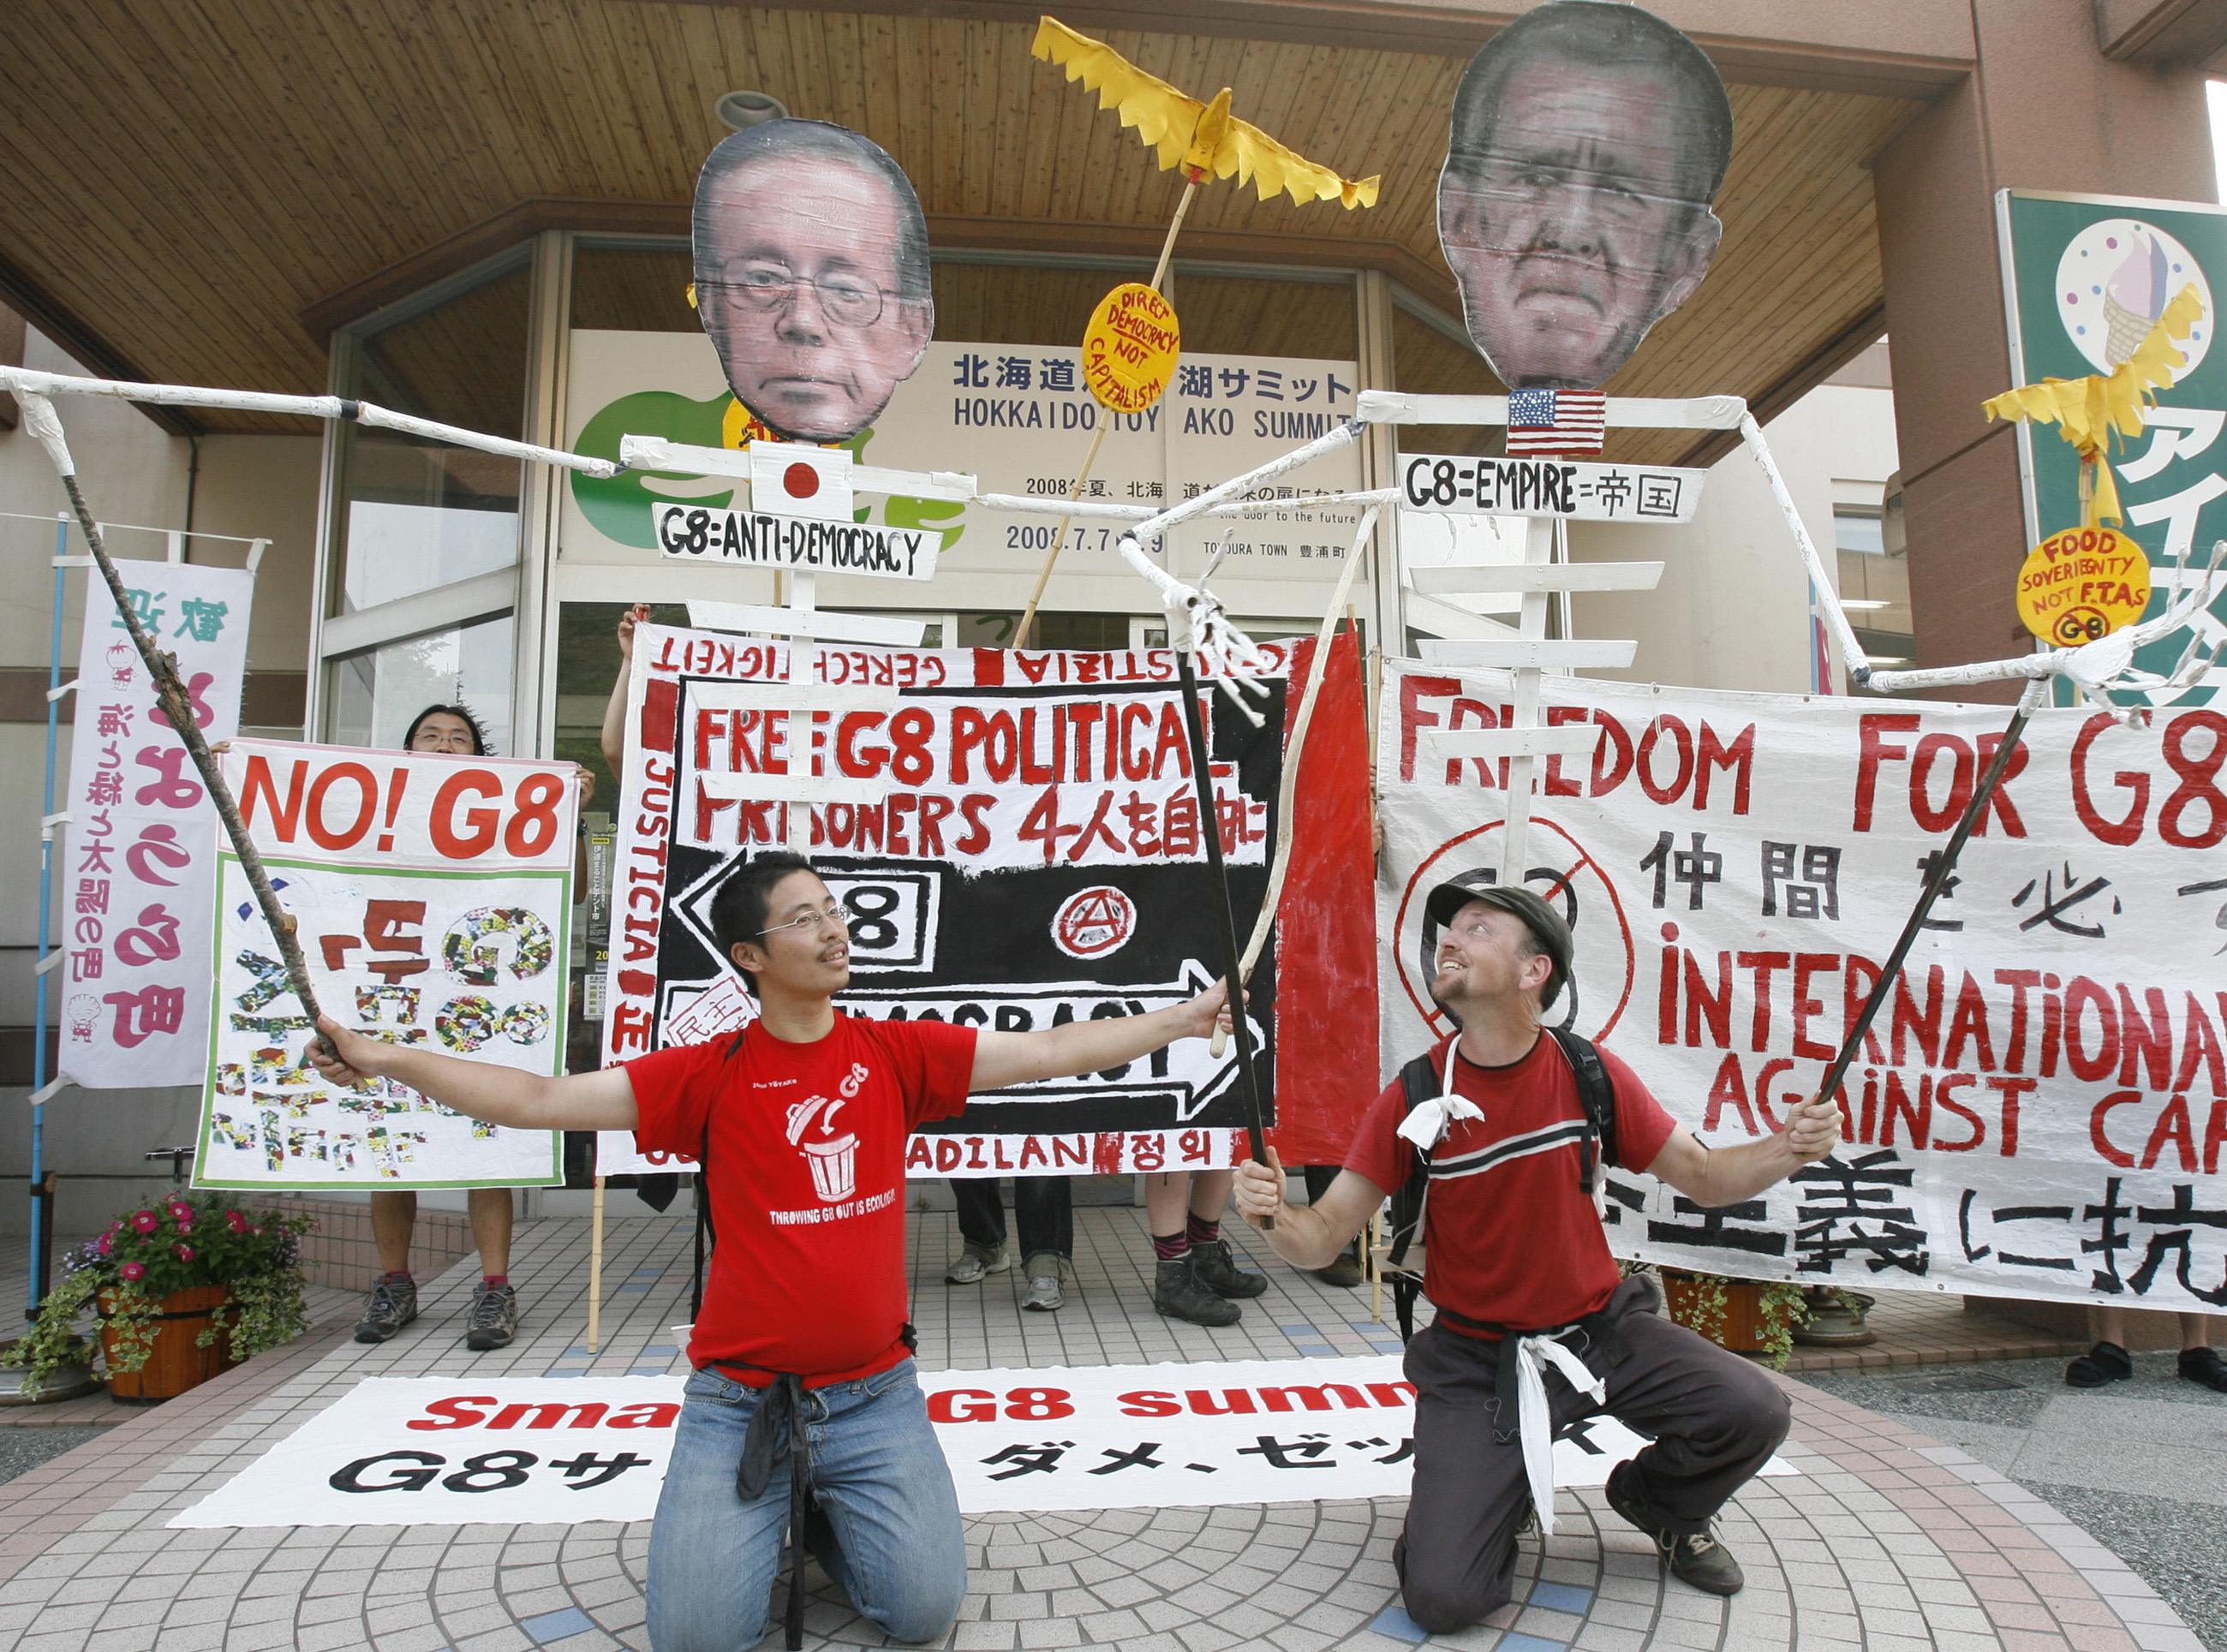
1538,915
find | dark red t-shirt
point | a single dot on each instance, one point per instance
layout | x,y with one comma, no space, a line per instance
806,1167
1509,1236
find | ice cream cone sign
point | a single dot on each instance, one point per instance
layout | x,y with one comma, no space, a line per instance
2089,411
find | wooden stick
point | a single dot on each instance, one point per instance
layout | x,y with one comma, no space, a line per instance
1059,533
596,1272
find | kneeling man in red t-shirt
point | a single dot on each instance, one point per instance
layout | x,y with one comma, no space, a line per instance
802,1410
1533,1328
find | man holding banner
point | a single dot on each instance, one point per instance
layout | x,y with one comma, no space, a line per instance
1534,1329
801,1121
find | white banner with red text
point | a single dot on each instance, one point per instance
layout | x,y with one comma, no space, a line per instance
139,860
2039,1109
431,897
466,1450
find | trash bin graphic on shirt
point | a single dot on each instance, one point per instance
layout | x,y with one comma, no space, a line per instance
833,1160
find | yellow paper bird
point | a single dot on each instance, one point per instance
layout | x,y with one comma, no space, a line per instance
2088,412
1204,139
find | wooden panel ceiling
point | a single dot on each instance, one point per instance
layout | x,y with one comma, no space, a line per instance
190,179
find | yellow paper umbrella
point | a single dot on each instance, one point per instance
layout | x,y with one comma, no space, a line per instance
2089,411
1207,142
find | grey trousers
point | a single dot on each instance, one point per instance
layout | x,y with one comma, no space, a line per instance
1715,1418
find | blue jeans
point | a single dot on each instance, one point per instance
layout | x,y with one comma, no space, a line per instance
882,1486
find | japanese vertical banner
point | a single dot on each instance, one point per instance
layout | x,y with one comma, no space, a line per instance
1018,837
431,896
138,857
2041,1107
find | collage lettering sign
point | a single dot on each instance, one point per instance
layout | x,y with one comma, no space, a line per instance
139,860
1019,838
2039,1110
433,897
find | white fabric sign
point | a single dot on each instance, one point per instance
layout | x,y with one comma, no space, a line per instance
433,897
2041,1107
138,864
463,1450
1018,419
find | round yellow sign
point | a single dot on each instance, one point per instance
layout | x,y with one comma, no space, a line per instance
2082,584
1130,347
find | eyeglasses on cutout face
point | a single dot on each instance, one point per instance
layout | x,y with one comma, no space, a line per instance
839,914
844,299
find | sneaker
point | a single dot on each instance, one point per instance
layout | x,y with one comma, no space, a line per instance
1217,1269
494,1319
2105,1362
1044,1295
975,1264
2203,1365
1179,1294
1345,1272
1697,1557
392,1305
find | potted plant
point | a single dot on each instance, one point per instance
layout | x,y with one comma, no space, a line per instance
1746,1316
184,1288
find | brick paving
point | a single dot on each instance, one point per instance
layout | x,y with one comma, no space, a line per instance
1887,1539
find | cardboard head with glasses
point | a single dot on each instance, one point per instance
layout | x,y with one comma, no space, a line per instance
1589,138
811,257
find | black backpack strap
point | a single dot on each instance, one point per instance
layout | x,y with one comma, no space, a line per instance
1419,1081
704,1229
1597,1095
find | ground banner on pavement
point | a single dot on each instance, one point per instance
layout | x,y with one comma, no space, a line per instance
463,1450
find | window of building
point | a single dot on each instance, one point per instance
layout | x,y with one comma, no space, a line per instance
1874,587
378,692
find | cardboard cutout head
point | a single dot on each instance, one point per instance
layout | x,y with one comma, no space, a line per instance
811,275
1589,138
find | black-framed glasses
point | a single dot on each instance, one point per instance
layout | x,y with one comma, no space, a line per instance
844,298
837,913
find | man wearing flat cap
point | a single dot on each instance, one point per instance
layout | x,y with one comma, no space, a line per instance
1500,1138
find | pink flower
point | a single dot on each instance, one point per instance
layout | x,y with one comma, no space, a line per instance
180,1210
132,1270
185,1253
238,1222
145,1221
101,1245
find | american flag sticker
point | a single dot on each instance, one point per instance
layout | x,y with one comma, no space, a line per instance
1556,424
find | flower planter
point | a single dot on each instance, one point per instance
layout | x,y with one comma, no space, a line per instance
1744,1329
178,1361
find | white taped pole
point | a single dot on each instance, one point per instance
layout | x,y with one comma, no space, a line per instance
1155,528
24,383
1853,656
1516,835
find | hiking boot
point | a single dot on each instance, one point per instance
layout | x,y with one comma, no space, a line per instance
2105,1362
1697,1557
2203,1365
392,1305
1344,1273
494,1319
1178,1294
977,1262
1217,1271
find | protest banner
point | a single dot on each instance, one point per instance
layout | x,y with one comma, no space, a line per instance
139,860
2039,1111
1019,835
431,896
465,1450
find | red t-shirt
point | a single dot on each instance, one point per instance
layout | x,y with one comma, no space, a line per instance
806,1166
1507,1233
